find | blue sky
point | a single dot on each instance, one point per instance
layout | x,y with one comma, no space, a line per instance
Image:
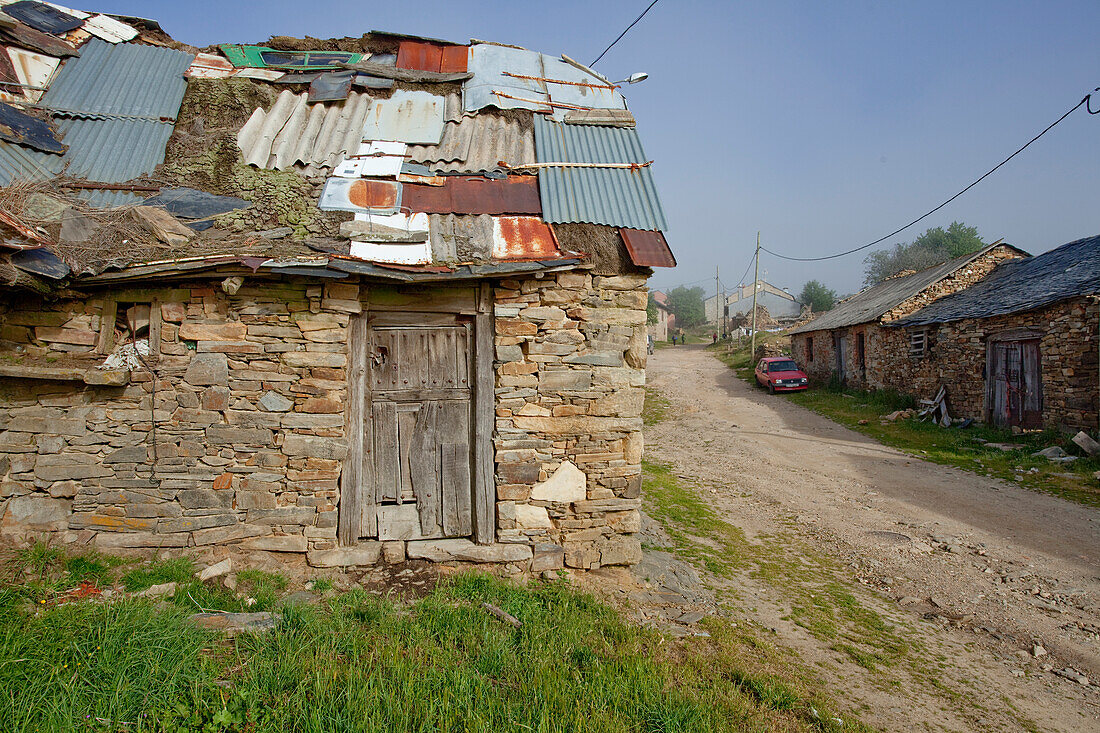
822,125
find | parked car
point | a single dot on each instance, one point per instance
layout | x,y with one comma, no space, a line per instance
780,374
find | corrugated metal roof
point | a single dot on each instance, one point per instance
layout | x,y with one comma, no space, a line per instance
474,195
478,143
647,248
1020,285
294,132
514,78
124,80
407,117
619,197
108,151
872,303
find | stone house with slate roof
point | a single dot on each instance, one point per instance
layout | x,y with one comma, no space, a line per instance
1020,347
848,343
326,299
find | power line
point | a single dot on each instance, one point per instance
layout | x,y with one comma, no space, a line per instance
1084,102
623,33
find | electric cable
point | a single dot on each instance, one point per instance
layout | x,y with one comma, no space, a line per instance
624,33
1086,102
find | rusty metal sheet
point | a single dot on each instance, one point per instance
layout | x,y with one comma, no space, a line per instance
209,66
23,35
432,57
648,248
475,195
365,195
523,238
19,127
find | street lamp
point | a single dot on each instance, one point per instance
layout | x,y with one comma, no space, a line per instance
634,78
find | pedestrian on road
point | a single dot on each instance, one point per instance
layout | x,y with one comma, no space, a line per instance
714,337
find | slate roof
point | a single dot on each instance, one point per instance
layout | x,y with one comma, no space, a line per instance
874,302
1016,286
434,128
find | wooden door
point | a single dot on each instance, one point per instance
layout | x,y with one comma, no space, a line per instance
419,393
840,343
1015,388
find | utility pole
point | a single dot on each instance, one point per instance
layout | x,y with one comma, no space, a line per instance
755,287
717,298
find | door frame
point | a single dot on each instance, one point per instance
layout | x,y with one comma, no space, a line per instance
356,479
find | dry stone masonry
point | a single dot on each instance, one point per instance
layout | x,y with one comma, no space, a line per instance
240,438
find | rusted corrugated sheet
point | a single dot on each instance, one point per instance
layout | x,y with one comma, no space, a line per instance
432,57
475,195
648,248
523,238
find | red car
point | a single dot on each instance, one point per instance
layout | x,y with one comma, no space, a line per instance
780,374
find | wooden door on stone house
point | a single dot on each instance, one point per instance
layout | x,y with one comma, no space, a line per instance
840,349
415,389
1014,385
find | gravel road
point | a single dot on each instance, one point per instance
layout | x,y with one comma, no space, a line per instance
1002,581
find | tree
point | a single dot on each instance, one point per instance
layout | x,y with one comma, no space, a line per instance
936,245
687,305
651,309
817,296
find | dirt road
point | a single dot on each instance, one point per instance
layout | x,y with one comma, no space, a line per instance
998,584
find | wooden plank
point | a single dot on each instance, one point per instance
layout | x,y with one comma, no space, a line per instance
484,473
457,493
107,326
406,319
387,469
423,466
351,520
422,395
406,426
154,329
424,300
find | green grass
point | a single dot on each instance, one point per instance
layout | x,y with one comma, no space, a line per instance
655,407
962,448
362,662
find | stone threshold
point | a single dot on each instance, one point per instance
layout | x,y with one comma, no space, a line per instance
92,376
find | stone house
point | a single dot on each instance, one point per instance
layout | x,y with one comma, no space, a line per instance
1021,347
328,304
848,343
659,330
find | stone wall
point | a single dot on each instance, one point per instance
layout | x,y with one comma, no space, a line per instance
571,353
247,414
956,358
248,411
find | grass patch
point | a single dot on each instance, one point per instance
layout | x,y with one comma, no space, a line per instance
967,449
655,407
368,663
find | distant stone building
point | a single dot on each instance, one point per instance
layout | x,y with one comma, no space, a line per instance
847,342
779,302
665,320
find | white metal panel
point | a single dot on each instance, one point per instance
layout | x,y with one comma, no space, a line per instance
381,158
418,253
408,117
33,70
109,29
210,66
417,222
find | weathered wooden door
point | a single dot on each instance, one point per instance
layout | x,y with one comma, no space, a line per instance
1014,386
840,344
416,417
